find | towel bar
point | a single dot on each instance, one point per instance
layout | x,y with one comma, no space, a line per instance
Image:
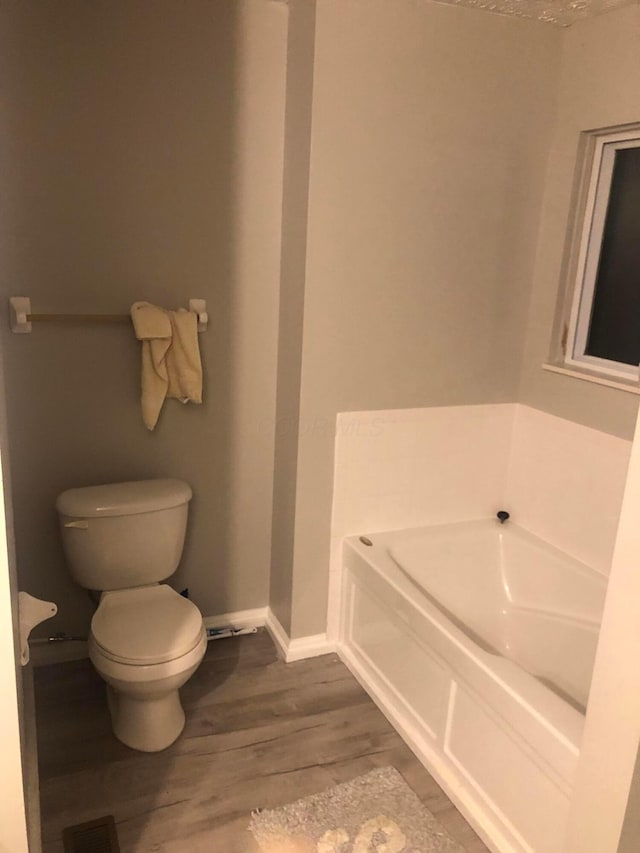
21,316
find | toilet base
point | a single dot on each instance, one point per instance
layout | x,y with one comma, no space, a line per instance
144,702
149,724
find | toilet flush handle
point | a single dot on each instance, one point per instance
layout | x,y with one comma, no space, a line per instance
81,523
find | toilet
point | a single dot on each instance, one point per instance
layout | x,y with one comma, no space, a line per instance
146,640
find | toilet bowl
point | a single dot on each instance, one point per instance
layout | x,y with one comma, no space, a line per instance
146,643
146,640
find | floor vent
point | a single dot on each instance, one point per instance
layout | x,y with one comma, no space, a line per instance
95,836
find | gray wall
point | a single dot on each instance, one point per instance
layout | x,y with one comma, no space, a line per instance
300,61
161,150
598,87
431,125
145,162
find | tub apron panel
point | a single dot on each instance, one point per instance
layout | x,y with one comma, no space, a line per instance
502,745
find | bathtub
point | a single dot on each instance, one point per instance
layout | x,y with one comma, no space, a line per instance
477,640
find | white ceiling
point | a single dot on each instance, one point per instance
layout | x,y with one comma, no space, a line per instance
562,13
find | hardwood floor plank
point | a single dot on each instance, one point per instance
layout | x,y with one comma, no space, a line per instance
259,734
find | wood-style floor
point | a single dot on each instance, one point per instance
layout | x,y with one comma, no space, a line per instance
259,733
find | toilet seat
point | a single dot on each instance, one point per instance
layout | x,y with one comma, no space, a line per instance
145,625
125,672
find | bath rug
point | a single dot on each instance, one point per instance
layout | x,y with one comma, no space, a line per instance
374,812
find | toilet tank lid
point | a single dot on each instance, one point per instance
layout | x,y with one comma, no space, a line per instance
115,499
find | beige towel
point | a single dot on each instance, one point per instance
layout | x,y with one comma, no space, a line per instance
171,364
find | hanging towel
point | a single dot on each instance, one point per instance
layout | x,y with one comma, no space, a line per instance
171,365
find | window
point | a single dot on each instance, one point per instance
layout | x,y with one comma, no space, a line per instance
603,329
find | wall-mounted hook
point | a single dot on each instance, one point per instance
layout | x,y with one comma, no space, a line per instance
31,612
199,307
19,310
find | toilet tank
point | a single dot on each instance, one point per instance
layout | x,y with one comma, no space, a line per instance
123,535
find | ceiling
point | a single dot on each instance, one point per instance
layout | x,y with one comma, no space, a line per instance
562,13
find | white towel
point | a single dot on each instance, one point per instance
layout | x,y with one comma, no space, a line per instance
171,365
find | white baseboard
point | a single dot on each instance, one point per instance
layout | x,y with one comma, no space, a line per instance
312,646
278,634
255,618
300,648
43,654
290,650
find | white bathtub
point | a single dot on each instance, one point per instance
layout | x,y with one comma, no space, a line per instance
477,640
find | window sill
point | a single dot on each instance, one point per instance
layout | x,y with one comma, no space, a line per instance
620,384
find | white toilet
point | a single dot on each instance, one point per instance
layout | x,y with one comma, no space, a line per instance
146,640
